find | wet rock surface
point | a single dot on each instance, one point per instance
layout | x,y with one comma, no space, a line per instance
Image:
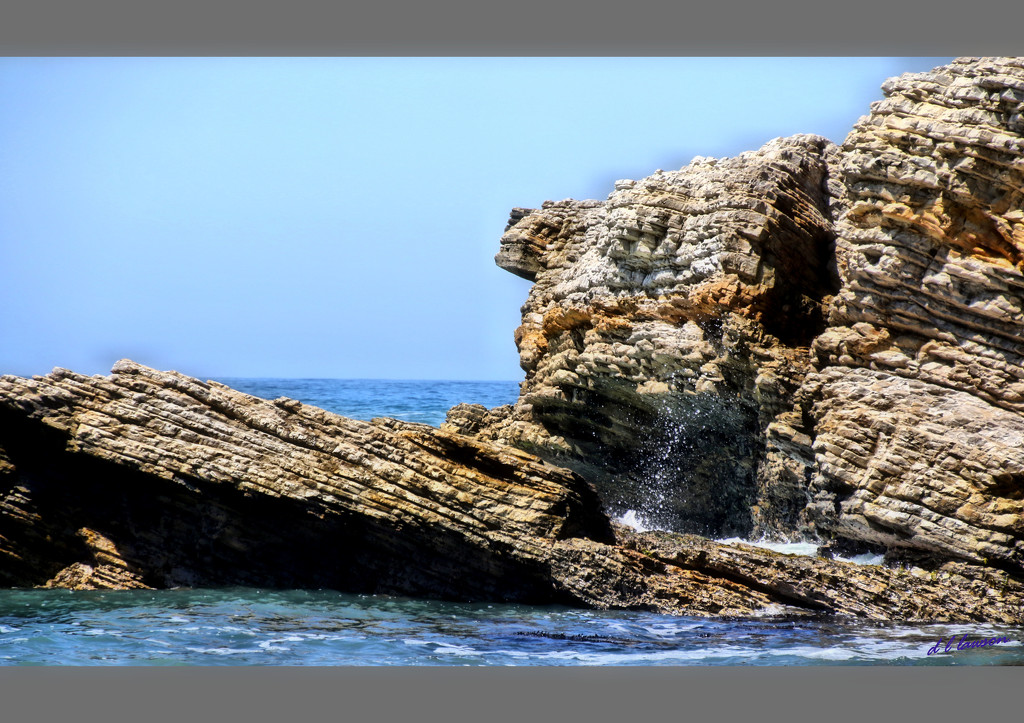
948,591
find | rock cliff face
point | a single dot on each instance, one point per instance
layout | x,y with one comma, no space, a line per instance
918,392
668,326
808,340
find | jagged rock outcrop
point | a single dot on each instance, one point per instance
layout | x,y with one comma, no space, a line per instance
946,591
668,327
808,340
154,479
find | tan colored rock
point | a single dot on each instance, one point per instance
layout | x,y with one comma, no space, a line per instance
153,479
803,341
180,482
918,403
666,330
946,592
909,464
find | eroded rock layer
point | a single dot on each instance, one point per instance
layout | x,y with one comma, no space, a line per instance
665,329
803,341
157,479
668,326
919,392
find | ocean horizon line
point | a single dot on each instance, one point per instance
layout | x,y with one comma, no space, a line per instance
364,379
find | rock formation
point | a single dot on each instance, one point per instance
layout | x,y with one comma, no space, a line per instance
163,480
918,392
806,341
154,479
669,326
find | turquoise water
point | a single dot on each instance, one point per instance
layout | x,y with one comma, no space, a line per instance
241,626
253,627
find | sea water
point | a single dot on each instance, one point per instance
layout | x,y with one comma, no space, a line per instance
411,401
246,626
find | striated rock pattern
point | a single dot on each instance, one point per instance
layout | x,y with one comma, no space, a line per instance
147,479
667,328
918,397
947,591
810,340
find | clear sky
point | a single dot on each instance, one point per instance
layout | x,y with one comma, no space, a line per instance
338,217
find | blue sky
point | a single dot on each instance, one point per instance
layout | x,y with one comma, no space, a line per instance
338,217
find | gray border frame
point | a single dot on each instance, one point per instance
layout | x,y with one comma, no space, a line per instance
517,695
526,27
537,28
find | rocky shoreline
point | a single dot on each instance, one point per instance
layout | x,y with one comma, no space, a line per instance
807,341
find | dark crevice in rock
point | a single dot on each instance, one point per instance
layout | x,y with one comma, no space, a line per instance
685,466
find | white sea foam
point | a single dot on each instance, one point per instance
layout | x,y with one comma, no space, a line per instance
803,548
769,610
661,656
225,651
632,518
866,559
268,645
786,548
806,651
449,649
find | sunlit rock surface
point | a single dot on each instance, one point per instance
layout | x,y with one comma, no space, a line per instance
918,393
668,326
807,341
157,479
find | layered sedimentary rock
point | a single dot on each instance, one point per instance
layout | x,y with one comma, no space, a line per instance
940,591
668,327
808,340
918,395
147,479
157,479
